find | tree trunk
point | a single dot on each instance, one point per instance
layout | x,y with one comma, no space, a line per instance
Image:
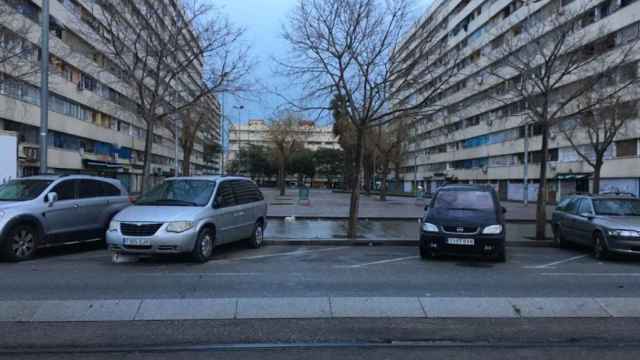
397,177
146,169
383,184
596,175
281,180
352,231
186,159
541,206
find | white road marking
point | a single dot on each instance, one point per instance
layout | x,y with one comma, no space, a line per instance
376,262
194,274
592,274
291,253
544,266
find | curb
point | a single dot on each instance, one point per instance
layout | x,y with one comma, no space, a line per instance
376,218
386,242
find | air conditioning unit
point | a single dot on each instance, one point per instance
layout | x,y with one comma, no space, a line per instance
553,167
552,136
489,123
485,169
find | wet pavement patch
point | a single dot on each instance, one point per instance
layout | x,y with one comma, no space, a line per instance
475,264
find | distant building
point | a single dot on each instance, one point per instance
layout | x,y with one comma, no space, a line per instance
256,132
484,141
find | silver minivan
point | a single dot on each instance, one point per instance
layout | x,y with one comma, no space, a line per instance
52,210
191,215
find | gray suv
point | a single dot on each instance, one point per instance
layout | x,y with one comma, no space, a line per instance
42,211
609,223
191,215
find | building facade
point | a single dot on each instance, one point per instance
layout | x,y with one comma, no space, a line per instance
92,126
484,140
256,132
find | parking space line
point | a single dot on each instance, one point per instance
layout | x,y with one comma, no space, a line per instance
593,274
552,264
165,274
376,262
291,253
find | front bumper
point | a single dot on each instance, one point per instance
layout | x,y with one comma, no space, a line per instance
624,246
161,243
483,244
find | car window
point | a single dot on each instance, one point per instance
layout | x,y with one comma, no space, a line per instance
563,204
464,200
585,207
66,190
572,206
22,190
109,189
179,192
245,192
225,197
617,207
89,189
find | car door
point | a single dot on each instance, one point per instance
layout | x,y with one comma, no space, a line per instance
225,204
584,224
91,204
245,214
567,221
61,216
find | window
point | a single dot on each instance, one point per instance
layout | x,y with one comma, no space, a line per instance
585,207
245,192
89,189
464,200
66,190
625,148
572,206
224,196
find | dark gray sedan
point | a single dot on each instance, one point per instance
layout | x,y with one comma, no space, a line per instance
607,223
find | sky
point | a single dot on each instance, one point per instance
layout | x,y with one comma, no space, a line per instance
263,21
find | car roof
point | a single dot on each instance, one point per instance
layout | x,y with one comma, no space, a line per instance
208,177
66,177
604,196
467,187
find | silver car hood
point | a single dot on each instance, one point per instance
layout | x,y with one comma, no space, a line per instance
622,222
9,204
158,214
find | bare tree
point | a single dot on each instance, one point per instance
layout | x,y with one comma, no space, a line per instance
545,64
601,124
18,56
354,49
388,142
285,136
169,61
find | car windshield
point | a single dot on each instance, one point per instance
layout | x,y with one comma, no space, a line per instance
22,190
617,207
464,200
179,193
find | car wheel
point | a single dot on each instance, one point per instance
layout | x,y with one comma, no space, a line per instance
204,246
600,250
256,240
558,238
21,243
426,253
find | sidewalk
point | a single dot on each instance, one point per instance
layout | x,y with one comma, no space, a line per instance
324,204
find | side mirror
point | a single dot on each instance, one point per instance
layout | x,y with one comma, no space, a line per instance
51,198
426,207
504,210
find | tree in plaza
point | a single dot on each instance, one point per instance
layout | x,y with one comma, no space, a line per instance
343,129
350,50
329,163
285,136
388,141
303,164
152,53
18,56
546,64
254,160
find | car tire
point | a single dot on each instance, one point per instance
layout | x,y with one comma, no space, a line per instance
203,248
558,238
21,243
600,250
425,253
257,239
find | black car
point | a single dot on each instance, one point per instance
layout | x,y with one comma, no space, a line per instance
463,219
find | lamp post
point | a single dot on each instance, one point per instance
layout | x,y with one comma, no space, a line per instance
44,85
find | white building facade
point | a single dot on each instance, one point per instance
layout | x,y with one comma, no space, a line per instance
91,127
484,141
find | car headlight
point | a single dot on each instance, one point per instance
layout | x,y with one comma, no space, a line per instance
492,230
114,226
179,226
624,233
428,227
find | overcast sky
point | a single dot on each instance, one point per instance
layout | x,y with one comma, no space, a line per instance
263,20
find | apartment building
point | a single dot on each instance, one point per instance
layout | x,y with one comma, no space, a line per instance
93,126
256,132
483,141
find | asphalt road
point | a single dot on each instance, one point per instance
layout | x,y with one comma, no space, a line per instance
317,271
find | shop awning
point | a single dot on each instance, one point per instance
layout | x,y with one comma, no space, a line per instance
101,164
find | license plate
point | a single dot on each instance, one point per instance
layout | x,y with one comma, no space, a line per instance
137,242
459,241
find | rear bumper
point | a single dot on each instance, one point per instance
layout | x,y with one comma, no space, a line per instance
483,244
